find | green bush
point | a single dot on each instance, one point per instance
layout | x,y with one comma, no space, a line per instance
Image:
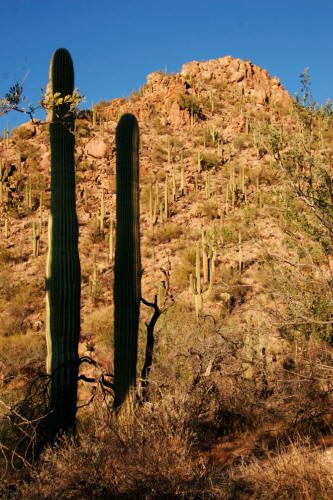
191,104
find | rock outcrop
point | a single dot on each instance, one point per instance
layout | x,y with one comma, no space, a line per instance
254,80
161,94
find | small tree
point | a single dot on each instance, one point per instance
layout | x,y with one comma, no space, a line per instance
305,284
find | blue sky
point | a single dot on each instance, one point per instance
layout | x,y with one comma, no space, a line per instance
115,44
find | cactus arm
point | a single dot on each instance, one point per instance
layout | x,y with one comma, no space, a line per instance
166,197
205,259
194,290
197,268
197,297
208,292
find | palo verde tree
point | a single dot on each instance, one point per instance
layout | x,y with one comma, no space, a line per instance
302,156
14,100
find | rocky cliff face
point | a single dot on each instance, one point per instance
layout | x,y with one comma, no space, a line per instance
162,92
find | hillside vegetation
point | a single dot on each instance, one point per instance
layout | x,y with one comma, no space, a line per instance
233,172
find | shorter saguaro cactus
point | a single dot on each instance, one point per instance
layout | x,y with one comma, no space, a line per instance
127,267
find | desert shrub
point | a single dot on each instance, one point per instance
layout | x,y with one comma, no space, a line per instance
176,143
82,128
209,161
119,462
303,301
103,103
26,149
84,165
157,125
17,302
208,209
5,255
240,142
20,360
96,235
145,196
191,104
39,182
159,154
181,272
21,134
232,283
165,232
301,283
295,471
100,324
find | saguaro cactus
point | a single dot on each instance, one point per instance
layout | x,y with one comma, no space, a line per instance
127,268
195,285
63,265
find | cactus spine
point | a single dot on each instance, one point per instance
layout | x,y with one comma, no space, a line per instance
63,265
127,268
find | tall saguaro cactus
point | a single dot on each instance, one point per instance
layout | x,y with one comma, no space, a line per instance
127,268
63,265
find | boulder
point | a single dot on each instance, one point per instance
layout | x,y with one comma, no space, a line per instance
190,68
45,160
97,148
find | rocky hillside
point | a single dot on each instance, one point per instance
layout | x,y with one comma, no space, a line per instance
224,158
205,117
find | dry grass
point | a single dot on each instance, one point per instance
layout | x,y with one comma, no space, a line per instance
294,472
